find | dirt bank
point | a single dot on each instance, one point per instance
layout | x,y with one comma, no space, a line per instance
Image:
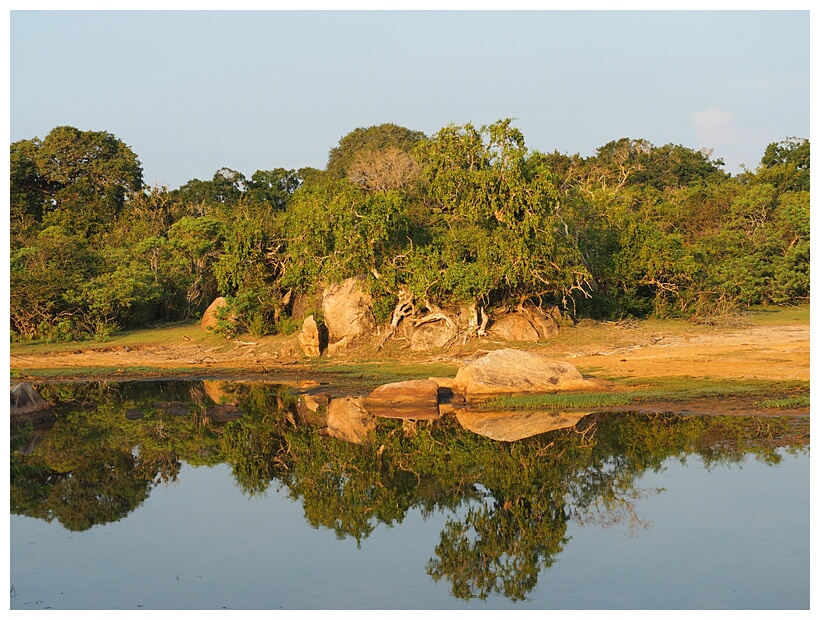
633,350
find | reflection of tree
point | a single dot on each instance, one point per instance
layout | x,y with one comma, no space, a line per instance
95,466
510,503
499,547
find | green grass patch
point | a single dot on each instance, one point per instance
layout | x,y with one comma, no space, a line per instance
666,389
385,372
187,331
568,400
787,403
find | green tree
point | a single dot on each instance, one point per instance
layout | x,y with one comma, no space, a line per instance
79,180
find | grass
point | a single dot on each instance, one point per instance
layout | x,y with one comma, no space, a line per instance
175,332
787,403
665,389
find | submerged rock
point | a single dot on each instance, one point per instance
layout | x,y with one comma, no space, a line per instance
510,371
413,400
512,426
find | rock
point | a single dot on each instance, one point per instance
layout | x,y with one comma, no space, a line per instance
305,304
224,413
309,338
514,327
527,324
348,420
412,400
28,406
209,318
510,371
506,426
432,335
347,310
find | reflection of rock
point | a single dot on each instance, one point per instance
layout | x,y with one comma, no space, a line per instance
509,371
347,311
224,413
312,409
134,414
35,438
309,338
527,324
174,407
504,426
347,419
415,400
28,406
216,391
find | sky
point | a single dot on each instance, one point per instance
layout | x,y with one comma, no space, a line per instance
194,91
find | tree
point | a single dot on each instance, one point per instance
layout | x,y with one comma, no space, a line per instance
364,139
79,180
786,164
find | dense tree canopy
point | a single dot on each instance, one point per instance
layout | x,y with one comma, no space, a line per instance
468,217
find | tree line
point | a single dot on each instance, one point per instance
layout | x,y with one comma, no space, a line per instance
468,217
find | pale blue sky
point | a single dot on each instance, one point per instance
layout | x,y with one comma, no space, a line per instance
191,92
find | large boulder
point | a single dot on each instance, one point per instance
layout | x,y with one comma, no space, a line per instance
347,310
510,371
28,406
413,400
512,426
527,324
309,339
428,336
347,419
209,318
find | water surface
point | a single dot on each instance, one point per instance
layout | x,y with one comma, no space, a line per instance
176,509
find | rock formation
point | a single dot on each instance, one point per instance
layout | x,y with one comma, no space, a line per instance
347,311
309,340
526,324
510,371
414,400
209,318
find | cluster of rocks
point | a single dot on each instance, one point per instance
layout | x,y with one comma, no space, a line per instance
506,371
347,318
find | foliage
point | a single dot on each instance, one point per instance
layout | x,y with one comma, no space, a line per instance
466,217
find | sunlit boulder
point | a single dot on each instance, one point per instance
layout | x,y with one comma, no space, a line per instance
510,371
414,400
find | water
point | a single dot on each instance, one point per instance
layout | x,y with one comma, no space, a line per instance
267,512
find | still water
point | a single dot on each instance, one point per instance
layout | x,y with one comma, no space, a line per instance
137,498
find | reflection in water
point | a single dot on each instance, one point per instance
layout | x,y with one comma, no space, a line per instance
509,502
